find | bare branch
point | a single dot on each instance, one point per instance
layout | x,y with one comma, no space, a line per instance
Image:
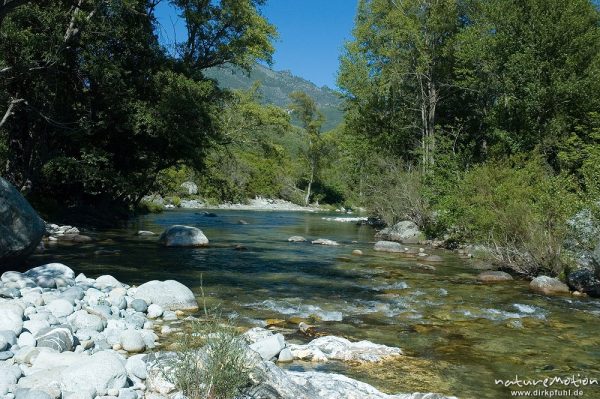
10,109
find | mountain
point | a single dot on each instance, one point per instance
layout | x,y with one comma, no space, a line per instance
276,87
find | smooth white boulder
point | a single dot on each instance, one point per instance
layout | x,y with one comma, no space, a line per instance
269,347
101,371
337,348
169,295
11,317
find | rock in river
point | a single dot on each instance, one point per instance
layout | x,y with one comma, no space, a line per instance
494,277
405,232
548,285
183,236
584,280
388,246
325,241
21,229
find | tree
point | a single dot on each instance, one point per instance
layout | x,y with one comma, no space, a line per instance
305,109
398,70
530,72
96,107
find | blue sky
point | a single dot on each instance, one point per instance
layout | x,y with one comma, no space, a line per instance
311,34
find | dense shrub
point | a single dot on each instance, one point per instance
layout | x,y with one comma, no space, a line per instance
517,208
211,361
395,192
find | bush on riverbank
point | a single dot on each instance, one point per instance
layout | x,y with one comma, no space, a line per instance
519,209
211,361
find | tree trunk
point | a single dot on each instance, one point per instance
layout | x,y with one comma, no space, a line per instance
310,182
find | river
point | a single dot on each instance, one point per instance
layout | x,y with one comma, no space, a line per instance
458,336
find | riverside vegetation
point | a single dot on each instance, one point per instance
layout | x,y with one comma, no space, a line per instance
478,121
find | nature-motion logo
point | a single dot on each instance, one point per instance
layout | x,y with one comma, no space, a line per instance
572,381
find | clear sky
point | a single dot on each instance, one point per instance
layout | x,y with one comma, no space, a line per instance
311,34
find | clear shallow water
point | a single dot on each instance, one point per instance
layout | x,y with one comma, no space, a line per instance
458,335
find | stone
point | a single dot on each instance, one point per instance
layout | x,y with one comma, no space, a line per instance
6,355
357,252
406,232
388,246
60,308
322,385
100,371
52,275
269,347
132,341
169,294
139,305
169,315
26,339
21,229
82,320
433,258
59,338
136,366
33,326
548,286
285,356
190,187
145,233
106,281
44,380
325,241
337,348
10,293
26,354
494,277
49,359
183,236
297,239
9,336
154,311
12,317
584,280
3,343
25,393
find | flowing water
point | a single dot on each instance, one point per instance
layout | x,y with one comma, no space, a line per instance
458,336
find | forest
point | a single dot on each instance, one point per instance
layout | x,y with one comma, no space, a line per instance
478,120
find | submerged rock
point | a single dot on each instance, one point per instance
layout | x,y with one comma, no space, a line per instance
406,232
183,236
21,229
336,348
297,239
325,241
548,285
494,277
388,246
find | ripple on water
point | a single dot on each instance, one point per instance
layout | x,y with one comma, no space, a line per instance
291,308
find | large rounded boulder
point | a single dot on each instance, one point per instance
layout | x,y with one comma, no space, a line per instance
548,286
21,229
169,295
183,236
406,232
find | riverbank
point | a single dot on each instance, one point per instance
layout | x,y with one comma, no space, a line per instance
70,336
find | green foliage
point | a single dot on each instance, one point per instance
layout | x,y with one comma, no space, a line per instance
522,216
97,107
211,361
